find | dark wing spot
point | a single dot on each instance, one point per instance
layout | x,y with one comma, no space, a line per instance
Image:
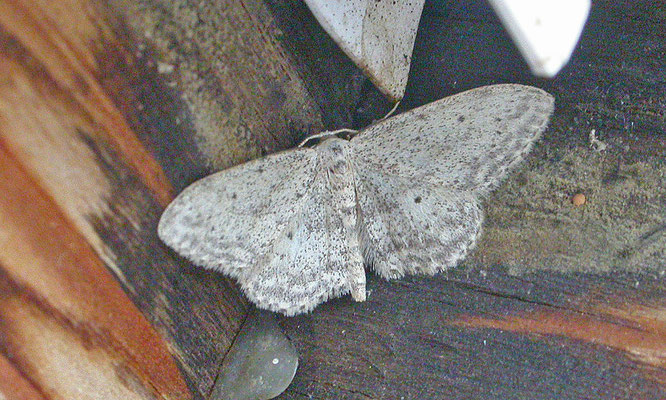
417,199
461,118
340,164
233,196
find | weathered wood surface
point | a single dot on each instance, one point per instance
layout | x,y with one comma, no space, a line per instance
81,107
105,108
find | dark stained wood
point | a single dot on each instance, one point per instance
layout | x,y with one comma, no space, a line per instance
483,334
243,95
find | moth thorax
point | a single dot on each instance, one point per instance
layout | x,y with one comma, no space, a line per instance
333,155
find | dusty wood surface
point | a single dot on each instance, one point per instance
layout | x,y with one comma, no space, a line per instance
244,96
67,326
104,109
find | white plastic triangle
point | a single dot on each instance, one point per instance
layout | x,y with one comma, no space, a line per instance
545,31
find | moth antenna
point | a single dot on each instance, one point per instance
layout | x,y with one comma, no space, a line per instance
390,113
325,134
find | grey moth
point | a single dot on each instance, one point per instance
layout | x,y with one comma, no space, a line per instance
401,197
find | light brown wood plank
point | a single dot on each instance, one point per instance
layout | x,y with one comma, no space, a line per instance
64,318
13,385
66,41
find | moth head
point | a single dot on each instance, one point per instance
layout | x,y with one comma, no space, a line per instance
334,145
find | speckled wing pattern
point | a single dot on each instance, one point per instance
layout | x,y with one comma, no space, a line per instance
274,225
403,196
310,260
228,220
423,173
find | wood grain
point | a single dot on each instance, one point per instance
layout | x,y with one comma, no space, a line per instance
15,386
244,96
62,313
83,192
65,39
483,334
